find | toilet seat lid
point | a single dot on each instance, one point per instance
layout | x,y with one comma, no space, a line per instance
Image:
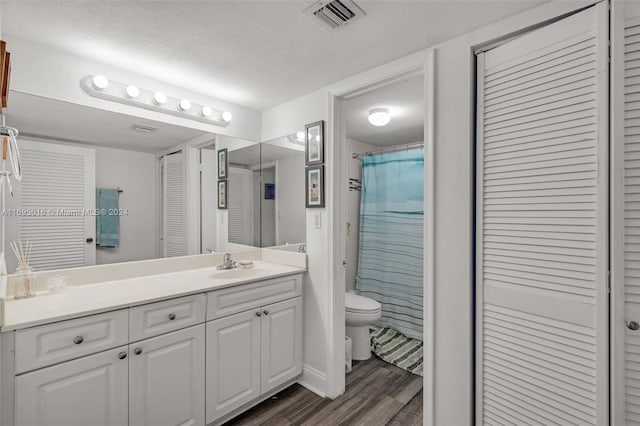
357,303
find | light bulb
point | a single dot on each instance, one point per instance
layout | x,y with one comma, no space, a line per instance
206,111
227,116
159,98
132,91
300,136
379,117
184,105
100,82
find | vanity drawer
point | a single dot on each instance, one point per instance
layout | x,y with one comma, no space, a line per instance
242,297
169,315
50,344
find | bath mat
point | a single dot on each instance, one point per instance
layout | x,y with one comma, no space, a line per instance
398,349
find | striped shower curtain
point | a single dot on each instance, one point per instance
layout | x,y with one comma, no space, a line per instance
390,261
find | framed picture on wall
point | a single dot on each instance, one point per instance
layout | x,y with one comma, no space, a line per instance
223,191
314,143
269,191
315,186
223,164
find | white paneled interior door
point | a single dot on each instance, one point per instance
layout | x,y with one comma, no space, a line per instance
52,206
174,217
542,226
625,238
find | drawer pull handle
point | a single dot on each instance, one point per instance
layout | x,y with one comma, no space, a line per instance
266,312
137,351
258,314
122,355
78,339
172,317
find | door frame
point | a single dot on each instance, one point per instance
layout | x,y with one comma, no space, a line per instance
416,64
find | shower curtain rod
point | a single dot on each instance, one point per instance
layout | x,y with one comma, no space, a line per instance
390,149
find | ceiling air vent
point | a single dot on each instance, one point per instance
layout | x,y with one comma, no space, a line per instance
334,14
143,129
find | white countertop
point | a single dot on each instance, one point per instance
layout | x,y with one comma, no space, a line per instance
78,301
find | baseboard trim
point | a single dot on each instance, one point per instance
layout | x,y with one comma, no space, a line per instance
314,380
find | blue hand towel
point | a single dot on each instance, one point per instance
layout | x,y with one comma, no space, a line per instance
107,221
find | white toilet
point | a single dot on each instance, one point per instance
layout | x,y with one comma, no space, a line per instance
361,312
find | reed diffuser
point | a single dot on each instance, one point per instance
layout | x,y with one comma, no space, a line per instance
25,282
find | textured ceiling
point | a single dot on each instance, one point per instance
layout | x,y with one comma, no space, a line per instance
405,101
49,118
254,53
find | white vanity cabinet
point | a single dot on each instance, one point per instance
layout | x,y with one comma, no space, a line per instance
166,379
252,352
190,360
92,390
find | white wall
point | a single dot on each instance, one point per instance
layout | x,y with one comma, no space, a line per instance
135,173
353,211
283,120
44,71
290,205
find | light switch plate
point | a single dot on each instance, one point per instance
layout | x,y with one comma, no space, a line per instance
317,222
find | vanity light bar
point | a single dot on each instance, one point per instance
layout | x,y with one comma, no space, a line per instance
98,86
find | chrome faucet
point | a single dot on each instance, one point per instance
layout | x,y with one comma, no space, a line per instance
302,248
227,263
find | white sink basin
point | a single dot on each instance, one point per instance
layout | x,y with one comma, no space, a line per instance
229,274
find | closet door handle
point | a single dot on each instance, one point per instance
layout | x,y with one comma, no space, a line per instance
89,240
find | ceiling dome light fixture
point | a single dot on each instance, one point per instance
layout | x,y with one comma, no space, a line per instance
184,105
159,98
132,91
100,82
206,111
379,116
227,116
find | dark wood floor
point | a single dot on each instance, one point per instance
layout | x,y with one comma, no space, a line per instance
377,393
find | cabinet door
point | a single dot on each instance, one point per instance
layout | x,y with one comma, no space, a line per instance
166,378
87,391
281,343
233,362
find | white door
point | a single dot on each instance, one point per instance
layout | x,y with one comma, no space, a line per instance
92,390
54,201
281,343
542,226
241,206
166,377
625,238
174,207
233,362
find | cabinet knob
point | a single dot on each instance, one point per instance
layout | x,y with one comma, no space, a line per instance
137,351
172,317
122,355
258,314
78,339
633,325
266,312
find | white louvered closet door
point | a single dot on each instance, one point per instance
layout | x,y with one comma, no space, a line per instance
174,226
240,193
542,226
57,189
625,240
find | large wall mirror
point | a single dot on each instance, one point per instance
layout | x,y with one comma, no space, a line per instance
160,179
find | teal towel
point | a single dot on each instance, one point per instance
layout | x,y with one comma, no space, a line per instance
107,220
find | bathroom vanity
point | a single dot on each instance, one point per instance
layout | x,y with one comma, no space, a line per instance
194,346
